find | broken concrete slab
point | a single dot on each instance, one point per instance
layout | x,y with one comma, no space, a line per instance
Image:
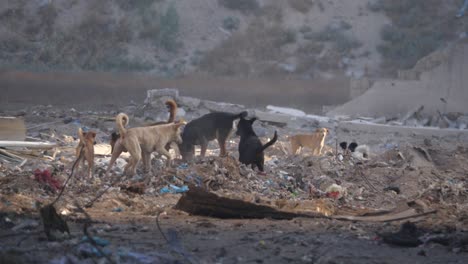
190,102
286,111
223,107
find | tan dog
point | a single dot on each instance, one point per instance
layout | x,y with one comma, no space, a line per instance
87,146
171,106
140,142
314,142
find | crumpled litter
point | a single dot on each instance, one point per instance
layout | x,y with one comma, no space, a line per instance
45,177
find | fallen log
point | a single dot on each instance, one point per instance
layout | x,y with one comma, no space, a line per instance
200,202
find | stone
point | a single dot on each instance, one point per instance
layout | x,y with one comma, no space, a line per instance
190,102
223,107
156,97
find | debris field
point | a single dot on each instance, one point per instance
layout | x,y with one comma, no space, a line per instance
407,200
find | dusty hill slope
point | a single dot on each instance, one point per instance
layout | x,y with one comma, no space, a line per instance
221,37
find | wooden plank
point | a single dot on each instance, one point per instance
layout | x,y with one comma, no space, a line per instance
12,128
27,144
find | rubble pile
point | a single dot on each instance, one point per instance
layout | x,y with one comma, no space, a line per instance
423,179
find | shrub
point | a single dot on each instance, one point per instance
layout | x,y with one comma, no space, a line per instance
231,23
391,34
285,36
169,29
410,48
245,6
48,13
129,5
302,6
345,44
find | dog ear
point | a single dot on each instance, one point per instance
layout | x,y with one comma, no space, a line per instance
344,145
352,146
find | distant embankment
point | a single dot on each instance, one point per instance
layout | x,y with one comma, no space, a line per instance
95,90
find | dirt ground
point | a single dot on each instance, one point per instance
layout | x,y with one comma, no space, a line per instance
431,181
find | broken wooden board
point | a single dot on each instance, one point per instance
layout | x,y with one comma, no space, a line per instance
27,144
200,202
102,149
390,217
12,128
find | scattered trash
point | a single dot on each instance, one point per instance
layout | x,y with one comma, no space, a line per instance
45,177
117,209
99,241
174,189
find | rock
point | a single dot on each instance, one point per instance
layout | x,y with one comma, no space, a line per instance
462,122
274,118
223,107
156,97
190,102
181,112
158,93
286,111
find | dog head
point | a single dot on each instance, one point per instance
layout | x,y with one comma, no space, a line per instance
176,137
244,126
88,138
322,130
352,146
187,150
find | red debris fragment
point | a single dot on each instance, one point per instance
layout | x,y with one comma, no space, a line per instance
45,177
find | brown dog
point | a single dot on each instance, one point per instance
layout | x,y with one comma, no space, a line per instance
314,142
171,106
86,146
142,141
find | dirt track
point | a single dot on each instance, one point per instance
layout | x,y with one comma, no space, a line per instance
91,90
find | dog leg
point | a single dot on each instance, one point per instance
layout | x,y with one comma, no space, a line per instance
294,147
222,146
166,153
115,154
135,156
203,146
91,166
146,161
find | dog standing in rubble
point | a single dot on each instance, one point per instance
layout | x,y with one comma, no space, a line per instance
171,107
250,147
140,142
85,150
200,131
314,142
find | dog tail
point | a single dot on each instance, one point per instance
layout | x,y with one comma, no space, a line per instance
121,120
81,135
172,106
242,114
269,143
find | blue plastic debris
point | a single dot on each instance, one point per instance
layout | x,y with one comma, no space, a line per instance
117,209
88,250
99,241
193,177
174,189
183,166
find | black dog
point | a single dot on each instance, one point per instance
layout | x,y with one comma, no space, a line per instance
352,146
202,130
250,146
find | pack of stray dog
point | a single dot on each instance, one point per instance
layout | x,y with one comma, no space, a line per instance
141,142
